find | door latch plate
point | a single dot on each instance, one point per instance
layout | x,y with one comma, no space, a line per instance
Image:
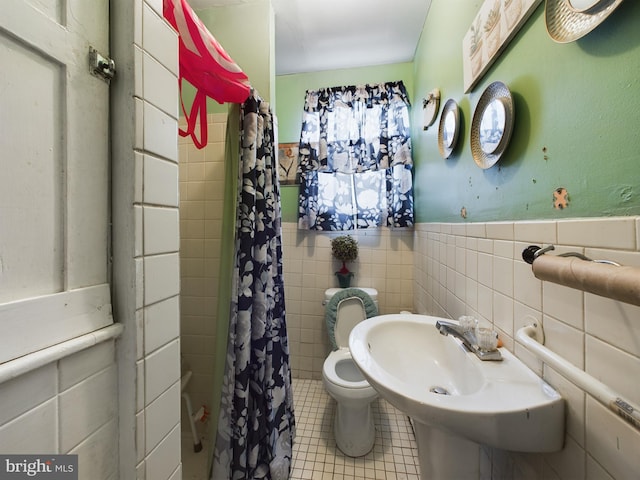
101,66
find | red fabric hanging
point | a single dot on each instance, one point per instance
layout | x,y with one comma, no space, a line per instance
205,65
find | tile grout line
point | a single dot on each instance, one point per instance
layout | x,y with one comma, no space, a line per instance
316,457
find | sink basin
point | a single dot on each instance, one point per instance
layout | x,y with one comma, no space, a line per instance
437,382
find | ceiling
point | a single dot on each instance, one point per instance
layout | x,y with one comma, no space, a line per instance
314,35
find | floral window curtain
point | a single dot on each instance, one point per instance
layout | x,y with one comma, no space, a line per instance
355,160
256,423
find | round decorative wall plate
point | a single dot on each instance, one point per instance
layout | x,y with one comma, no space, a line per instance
569,20
430,106
492,125
449,128
586,6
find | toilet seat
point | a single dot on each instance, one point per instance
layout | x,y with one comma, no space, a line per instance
339,331
329,370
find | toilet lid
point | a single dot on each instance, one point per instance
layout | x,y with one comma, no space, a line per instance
347,300
340,361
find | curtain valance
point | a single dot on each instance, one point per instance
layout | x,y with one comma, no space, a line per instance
355,128
348,95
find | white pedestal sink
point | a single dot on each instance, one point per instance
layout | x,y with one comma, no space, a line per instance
456,400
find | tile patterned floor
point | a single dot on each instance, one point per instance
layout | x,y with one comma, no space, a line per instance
194,464
315,455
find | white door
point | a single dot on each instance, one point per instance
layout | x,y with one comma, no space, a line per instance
54,173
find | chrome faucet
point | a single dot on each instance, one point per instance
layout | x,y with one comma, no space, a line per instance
448,328
468,339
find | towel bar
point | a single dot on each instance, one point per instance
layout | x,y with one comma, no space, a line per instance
594,387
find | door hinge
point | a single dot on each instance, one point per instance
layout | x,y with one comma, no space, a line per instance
101,66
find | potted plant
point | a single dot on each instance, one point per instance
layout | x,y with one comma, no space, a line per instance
345,249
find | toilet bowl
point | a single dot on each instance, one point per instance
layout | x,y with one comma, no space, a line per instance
353,427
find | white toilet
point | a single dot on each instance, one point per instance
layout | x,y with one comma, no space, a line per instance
353,427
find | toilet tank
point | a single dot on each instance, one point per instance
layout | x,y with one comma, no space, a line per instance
330,292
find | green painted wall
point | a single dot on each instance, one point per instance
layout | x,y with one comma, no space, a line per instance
577,113
577,109
290,92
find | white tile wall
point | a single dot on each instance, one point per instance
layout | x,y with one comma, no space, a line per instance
139,280
139,72
575,405
156,5
160,132
614,233
159,41
612,443
139,118
68,406
138,178
161,416
138,22
162,370
87,406
140,438
201,198
160,326
611,366
33,432
161,277
157,239
161,230
385,262
139,232
160,187
164,460
159,86
597,334
140,386
563,302
22,393
96,452
564,338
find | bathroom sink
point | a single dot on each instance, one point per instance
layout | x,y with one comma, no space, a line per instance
436,381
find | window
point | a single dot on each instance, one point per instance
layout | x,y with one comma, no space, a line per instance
355,158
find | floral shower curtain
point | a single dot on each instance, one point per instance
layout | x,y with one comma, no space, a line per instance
355,160
256,423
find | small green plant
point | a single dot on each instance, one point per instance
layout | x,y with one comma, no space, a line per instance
345,249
